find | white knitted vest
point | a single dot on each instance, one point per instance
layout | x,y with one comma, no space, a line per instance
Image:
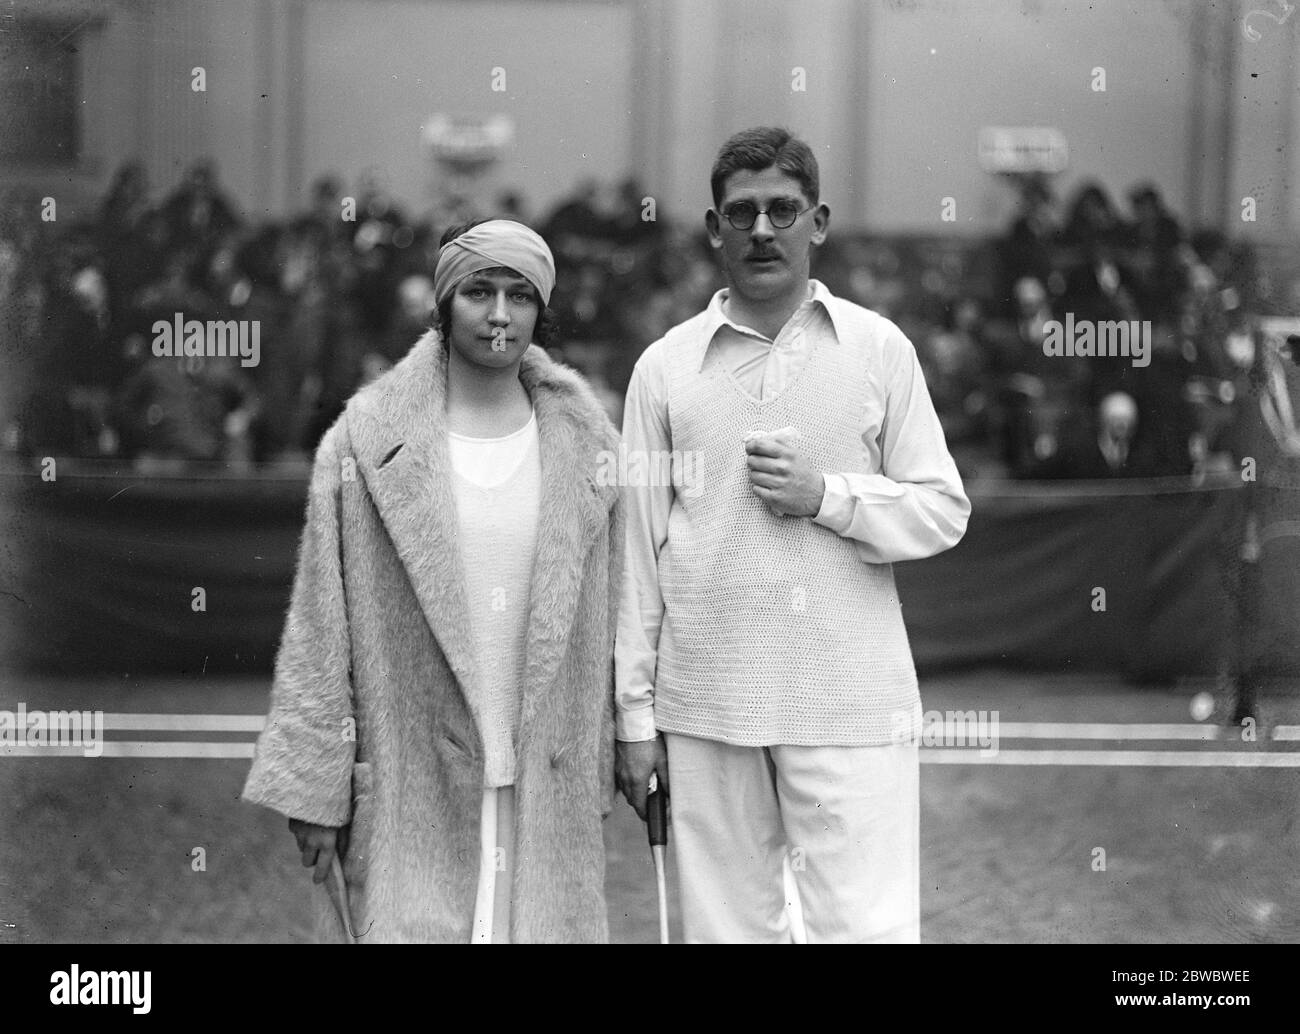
775,632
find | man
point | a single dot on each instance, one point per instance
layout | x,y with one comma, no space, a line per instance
1108,446
761,653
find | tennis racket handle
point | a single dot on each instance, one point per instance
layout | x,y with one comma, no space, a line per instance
657,818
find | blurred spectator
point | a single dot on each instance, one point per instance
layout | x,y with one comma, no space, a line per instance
186,409
379,232
1029,249
325,211
123,210
577,226
1034,394
954,360
628,222
510,204
197,211
414,316
1092,225
1157,254
1169,439
1106,447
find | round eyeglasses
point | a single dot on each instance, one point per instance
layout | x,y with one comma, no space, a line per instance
781,213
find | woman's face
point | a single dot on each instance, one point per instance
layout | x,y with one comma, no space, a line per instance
493,314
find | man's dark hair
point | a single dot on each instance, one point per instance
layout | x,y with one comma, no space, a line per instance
548,323
760,148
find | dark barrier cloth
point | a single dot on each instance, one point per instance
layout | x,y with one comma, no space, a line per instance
98,572
107,567
1019,590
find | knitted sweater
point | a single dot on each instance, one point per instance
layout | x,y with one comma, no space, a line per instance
780,634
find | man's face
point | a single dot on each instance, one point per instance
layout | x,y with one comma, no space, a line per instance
492,318
765,262
1118,416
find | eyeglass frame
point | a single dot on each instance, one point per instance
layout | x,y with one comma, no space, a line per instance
726,214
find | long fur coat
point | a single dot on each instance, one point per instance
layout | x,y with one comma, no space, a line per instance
373,718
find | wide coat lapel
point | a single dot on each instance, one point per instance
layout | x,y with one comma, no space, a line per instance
399,431
572,432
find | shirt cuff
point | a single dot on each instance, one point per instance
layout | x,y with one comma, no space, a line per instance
635,726
836,511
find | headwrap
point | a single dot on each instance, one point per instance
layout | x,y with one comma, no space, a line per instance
497,242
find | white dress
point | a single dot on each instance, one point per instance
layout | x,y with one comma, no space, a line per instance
497,489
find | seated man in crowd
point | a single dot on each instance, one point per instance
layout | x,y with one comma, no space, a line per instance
1110,448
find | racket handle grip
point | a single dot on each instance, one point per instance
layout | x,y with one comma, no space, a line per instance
657,818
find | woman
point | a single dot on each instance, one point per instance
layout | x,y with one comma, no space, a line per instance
441,714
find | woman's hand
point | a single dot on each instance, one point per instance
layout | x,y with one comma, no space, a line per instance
318,845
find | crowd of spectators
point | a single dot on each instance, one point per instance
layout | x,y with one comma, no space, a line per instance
1088,417
339,293
340,299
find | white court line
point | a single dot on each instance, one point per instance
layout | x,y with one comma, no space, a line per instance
127,722
185,722
1006,730
1103,731
134,749
1115,758
928,755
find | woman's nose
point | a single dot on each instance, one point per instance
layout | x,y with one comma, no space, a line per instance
500,310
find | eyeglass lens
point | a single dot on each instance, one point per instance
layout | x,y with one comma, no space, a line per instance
782,214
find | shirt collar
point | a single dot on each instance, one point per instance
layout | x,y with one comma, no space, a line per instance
715,318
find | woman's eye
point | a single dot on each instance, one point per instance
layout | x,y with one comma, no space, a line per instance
476,292
522,298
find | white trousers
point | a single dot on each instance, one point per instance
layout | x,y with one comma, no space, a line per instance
842,821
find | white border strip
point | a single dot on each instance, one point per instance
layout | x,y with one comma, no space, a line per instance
928,755
1104,731
134,749
1109,731
1123,731
184,722
1116,758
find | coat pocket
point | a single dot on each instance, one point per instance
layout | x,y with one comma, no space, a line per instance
357,861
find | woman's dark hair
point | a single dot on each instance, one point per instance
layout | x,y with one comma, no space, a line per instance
760,148
544,330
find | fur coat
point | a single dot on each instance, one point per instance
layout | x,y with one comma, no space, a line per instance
373,718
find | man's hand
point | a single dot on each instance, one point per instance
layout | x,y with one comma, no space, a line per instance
781,476
318,845
633,763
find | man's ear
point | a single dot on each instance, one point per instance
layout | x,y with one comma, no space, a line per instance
821,224
714,227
